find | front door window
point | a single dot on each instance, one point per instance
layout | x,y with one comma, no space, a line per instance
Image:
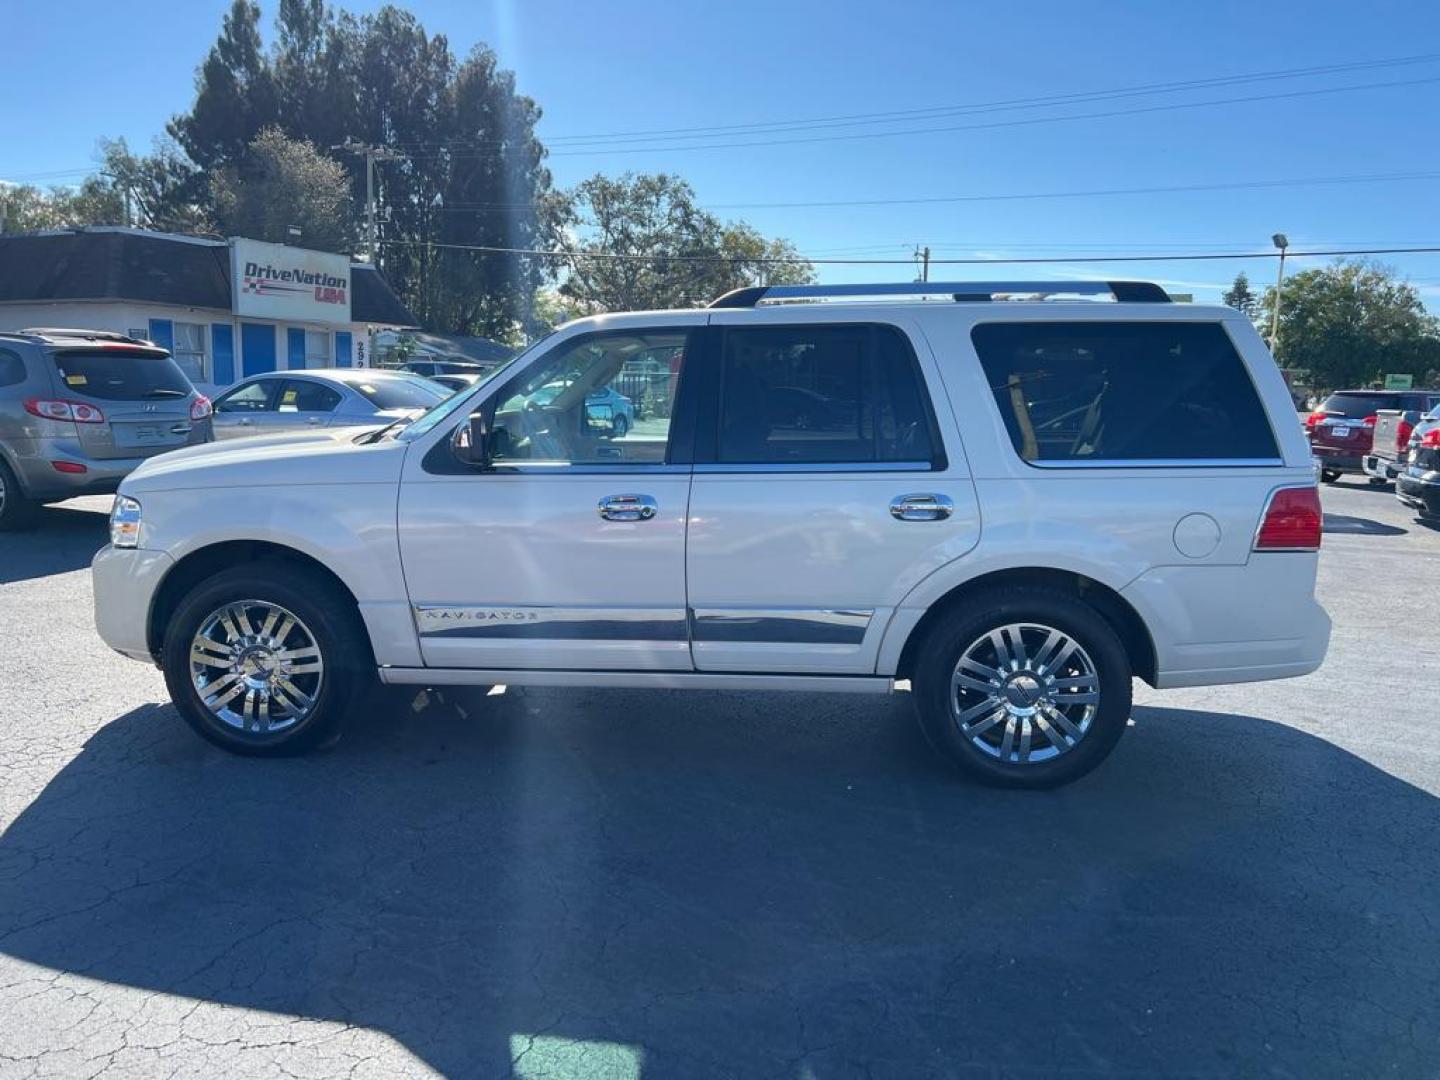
604,399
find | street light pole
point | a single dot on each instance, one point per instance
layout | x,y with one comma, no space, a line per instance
1281,242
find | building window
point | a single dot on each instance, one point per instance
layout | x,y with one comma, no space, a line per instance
189,350
317,349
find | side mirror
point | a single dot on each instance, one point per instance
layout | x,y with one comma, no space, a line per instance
472,441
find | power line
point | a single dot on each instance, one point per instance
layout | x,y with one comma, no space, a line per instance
932,112
1233,185
995,124
910,261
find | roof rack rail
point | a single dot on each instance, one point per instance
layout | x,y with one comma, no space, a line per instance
1143,292
78,332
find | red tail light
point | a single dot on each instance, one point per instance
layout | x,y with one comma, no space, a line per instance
1314,418
68,467
60,409
1292,521
1402,433
200,408
1369,421
1431,439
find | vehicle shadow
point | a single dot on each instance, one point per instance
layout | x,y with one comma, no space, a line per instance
1359,526
64,538
753,885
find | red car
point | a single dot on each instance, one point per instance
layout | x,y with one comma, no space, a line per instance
1342,429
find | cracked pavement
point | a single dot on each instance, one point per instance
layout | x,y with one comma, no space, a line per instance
573,883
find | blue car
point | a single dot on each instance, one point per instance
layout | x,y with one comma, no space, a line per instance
605,401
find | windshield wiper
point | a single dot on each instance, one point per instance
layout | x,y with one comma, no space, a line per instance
375,437
166,392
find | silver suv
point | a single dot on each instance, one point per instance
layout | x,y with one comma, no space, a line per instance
80,409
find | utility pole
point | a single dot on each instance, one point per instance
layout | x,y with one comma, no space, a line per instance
923,255
371,154
1282,243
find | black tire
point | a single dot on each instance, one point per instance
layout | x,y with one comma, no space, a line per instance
1376,481
16,511
1329,476
621,426
947,642
325,611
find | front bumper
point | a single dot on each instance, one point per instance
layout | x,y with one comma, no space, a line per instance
125,582
1420,493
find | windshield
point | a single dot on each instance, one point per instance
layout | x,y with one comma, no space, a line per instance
114,375
401,393
460,398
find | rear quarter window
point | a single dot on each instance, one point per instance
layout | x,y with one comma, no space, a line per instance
12,368
114,375
1114,392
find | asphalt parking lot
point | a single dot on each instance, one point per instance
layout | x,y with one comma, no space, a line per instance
624,884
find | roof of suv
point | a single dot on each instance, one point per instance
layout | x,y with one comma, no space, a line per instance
53,335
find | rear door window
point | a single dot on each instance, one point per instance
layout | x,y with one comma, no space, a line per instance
302,395
816,394
116,375
1116,392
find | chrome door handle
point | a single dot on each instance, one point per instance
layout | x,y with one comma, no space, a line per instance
313,421
628,508
922,507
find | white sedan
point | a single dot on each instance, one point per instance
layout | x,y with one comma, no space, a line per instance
284,401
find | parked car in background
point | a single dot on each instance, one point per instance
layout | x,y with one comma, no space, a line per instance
457,382
281,401
1342,429
605,406
1131,497
445,367
1417,483
79,409
1391,440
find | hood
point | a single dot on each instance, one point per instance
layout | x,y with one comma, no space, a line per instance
307,457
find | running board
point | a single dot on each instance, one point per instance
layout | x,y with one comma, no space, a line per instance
641,680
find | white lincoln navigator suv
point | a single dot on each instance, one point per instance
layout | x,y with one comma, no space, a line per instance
1011,507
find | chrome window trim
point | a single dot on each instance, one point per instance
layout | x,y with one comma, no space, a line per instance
561,468
1159,463
817,467
827,626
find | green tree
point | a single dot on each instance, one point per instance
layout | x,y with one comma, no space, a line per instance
641,242
472,175
1351,322
1240,296
280,183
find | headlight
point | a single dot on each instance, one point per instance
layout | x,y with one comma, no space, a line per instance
125,522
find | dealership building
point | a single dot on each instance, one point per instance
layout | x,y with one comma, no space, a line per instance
225,308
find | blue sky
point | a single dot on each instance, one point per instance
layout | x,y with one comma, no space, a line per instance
628,65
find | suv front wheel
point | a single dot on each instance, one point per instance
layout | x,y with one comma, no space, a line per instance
265,659
1024,687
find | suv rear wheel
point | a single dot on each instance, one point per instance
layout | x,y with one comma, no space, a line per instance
265,659
16,511
1024,687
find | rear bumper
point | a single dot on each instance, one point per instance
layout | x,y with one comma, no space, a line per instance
1379,468
1231,624
125,582
1419,493
40,480
1338,460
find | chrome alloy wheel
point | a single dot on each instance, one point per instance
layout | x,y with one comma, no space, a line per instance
1024,693
256,666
